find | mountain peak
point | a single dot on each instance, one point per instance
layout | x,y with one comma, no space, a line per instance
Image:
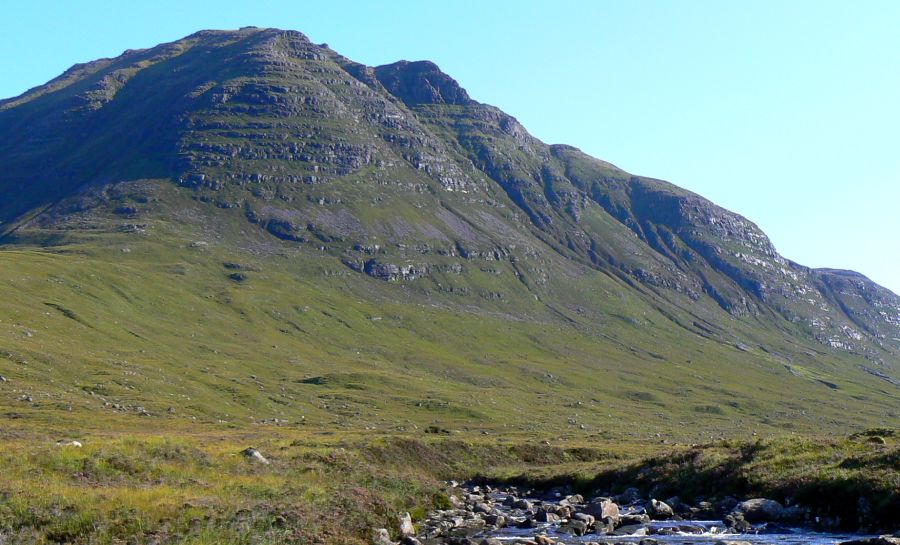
380,173
421,82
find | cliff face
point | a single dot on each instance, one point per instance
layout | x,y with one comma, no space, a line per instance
397,174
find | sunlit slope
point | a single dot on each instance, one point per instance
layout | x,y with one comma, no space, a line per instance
244,226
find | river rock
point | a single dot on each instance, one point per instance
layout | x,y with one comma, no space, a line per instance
880,540
586,518
577,527
527,522
522,504
761,510
544,516
735,522
660,510
601,508
632,530
575,499
634,518
605,526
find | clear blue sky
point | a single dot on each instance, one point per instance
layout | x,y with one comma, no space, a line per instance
787,112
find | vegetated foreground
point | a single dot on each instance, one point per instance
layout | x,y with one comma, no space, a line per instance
335,488
243,239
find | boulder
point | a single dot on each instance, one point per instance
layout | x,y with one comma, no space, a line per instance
406,525
527,522
544,516
482,507
586,518
380,536
522,504
254,455
577,527
634,518
575,499
630,495
604,526
735,522
761,510
660,510
632,530
601,508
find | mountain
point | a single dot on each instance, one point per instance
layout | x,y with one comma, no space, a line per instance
246,226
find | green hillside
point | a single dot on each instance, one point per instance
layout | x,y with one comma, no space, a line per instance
244,238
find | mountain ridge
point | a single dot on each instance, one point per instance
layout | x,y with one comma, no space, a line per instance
260,143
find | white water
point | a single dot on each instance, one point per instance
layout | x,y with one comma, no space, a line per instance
712,532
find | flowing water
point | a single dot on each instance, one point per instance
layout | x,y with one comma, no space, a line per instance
711,534
691,532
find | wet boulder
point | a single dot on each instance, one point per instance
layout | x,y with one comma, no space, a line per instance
879,540
524,505
545,516
735,522
576,527
632,530
761,510
660,510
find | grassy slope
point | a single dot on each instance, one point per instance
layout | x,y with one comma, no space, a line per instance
89,329
107,323
333,488
92,333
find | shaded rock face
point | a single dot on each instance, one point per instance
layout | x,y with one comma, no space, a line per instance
420,82
314,150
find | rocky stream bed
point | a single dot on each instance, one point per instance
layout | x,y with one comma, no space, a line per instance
486,515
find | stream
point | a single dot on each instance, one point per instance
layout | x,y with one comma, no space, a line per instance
501,516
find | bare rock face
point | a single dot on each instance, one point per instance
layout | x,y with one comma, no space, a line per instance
421,82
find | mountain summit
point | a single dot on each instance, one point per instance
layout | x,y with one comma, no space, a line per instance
248,201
